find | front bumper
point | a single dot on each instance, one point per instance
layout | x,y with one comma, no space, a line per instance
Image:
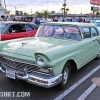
38,80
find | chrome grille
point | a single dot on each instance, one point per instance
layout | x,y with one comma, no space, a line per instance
20,66
9,63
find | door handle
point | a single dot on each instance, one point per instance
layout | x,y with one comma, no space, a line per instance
27,34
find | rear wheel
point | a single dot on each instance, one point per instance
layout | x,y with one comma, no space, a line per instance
65,76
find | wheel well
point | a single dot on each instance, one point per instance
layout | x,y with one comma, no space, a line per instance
73,65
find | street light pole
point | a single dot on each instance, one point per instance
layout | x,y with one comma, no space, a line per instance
15,10
5,4
47,8
64,5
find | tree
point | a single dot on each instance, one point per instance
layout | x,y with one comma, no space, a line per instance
64,5
52,11
45,13
97,13
62,9
66,10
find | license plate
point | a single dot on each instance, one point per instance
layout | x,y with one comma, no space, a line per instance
10,74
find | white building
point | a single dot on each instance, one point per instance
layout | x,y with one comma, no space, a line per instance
3,11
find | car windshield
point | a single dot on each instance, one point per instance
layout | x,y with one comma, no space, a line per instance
3,27
97,24
59,31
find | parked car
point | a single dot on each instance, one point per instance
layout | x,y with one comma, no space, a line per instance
49,58
97,24
12,30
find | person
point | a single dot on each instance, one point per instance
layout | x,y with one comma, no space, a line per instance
55,19
74,19
36,21
80,19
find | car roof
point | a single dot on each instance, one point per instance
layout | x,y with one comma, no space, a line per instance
14,22
69,23
17,22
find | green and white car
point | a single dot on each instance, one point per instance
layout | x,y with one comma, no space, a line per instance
48,58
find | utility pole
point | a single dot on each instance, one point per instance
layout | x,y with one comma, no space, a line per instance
15,10
31,14
64,5
5,4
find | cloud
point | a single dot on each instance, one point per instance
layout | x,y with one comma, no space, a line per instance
38,5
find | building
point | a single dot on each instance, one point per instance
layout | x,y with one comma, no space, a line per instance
3,12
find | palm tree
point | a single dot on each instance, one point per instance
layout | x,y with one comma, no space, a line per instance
45,13
66,10
64,5
62,9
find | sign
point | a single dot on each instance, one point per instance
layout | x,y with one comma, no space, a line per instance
10,74
95,2
95,8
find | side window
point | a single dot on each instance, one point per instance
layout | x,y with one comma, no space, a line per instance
72,32
94,32
86,33
16,28
28,28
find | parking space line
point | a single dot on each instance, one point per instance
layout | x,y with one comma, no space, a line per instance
65,93
87,92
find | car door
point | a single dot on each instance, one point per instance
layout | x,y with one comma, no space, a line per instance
96,40
30,30
6,36
19,31
87,46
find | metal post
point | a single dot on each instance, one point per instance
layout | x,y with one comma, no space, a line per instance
64,5
47,8
5,4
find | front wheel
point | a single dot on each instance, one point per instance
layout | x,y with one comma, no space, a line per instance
65,76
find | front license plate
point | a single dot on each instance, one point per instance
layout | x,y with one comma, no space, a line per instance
10,74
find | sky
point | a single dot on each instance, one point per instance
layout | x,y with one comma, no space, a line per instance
31,6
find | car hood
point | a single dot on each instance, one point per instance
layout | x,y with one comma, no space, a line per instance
27,47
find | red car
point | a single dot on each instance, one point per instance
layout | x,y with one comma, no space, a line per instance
12,30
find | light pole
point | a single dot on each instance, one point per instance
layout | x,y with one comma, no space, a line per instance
64,5
15,10
5,4
75,10
47,8
31,14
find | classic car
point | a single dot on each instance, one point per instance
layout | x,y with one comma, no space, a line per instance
48,59
13,29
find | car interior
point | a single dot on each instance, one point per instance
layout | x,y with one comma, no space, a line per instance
16,28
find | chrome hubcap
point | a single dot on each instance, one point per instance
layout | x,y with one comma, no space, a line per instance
65,75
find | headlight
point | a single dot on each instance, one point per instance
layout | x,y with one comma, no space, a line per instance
40,61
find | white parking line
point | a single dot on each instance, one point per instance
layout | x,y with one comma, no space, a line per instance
65,93
87,92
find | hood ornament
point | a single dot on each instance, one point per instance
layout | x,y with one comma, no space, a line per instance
23,43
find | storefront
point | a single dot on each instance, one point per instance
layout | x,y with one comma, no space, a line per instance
4,12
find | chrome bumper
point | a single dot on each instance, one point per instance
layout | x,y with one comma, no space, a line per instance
38,80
